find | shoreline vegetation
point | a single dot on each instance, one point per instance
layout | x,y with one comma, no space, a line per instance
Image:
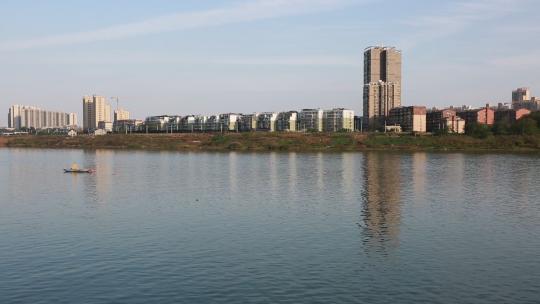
296,142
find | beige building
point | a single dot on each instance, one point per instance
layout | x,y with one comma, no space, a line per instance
96,109
382,83
410,119
337,120
121,114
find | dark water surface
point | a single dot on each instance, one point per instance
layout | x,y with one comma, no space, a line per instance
269,228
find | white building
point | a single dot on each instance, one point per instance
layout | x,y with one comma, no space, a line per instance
337,120
310,120
32,117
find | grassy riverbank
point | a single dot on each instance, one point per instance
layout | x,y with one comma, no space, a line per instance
280,142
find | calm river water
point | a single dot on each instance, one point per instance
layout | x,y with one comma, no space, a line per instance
162,227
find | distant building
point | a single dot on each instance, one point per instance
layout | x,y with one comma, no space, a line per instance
310,120
267,121
445,120
522,99
229,121
213,124
520,95
248,122
337,120
287,121
410,119
105,125
20,117
121,114
127,125
96,109
454,124
510,116
482,116
382,83
157,123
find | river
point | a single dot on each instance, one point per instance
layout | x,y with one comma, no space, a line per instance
167,227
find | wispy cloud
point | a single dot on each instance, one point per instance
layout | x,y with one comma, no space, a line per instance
243,12
131,58
456,18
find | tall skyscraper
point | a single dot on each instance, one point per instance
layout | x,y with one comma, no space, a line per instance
96,109
382,83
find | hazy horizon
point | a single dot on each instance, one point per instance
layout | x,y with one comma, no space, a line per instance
207,57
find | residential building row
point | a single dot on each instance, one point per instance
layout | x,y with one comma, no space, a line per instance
307,120
418,119
28,117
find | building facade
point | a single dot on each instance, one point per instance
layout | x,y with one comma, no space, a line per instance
382,83
482,116
310,120
410,119
338,120
287,121
436,120
96,109
510,116
267,121
121,114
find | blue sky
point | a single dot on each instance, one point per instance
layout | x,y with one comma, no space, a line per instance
207,57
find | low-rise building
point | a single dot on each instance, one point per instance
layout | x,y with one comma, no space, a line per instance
510,116
248,122
454,124
435,119
229,121
410,119
127,125
482,116
310,120
287,121
338,120
267,121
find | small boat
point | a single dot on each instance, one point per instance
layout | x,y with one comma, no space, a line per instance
78,170
75,169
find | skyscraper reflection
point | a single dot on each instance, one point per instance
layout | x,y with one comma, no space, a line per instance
381,200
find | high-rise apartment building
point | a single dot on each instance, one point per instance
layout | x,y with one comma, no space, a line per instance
32,117
382,83
96,109
521,95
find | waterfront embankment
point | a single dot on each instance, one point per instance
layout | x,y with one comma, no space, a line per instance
308,142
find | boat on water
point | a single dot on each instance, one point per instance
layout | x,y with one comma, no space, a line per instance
75,169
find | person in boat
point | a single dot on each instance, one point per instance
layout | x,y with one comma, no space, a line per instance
74,167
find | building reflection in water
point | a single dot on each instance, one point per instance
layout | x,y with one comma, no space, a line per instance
381,200
98,185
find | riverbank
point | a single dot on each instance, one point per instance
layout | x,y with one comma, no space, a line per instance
331,142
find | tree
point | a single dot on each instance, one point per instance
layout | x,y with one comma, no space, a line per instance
477,130
502,128
525,126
